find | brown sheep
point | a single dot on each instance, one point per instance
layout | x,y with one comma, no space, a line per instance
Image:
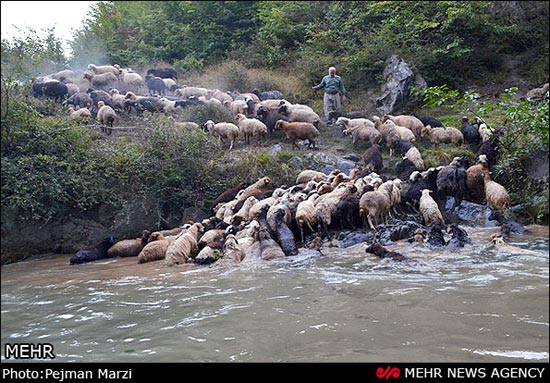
298,131
496,195
185,246
155,250
129,247
475,179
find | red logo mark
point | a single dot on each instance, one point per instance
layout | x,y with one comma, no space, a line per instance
388,373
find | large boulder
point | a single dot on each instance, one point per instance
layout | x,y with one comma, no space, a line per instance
399,78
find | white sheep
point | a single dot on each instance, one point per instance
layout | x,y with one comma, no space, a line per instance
405,133
305,214
118,100
187,91
223,130
100,69
185,245
413,155
105,115
429,209
251,127
82,113
132,80
300,115
236,107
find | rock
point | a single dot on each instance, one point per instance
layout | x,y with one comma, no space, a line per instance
345,166
350,238
399,80
275,149
352,157
467,212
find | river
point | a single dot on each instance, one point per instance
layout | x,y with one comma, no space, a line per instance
479,304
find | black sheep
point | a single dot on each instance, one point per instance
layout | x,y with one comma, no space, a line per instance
283,235
451,180
269,118
513,226
268,95
155,85
80,100
373,159
459,237
435,234
490,148
229,194
381,252
163,73
433,122
410,196
95,254
470,133
50,89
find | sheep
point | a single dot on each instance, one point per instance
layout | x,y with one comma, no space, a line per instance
435,238
537,93
333,115
418,182
429,209
496,195
218,95
513,226
270,249
188,91
381,252
307,175
471,134
210,238
129,247
451,180
237,107
185,246
208,255
374,205
169,106
95,254
410,122
166,72
97,96
72,88
410,152
251,127
305,214
155,249
132,80
50,89
459,238
448,135
485,132
291,107
64,74
170,84
490,149
269,118
270,105
298,131
82,113
101,69
243,214
389,133
80,100
300,115
155,85
268,95
284,236
475,179
243,96
404,133
118,101
325,206
104,80
230,193
231,249
433,122
223,130
365,133
258,188
373,159
106,116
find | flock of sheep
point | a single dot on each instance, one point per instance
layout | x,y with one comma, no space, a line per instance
262,221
